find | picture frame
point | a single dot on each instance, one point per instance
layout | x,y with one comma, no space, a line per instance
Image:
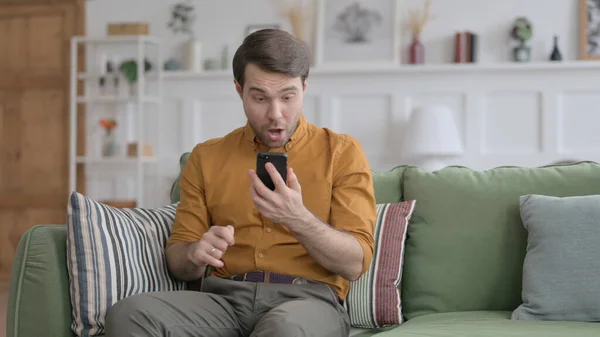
256,27
589,29
357,32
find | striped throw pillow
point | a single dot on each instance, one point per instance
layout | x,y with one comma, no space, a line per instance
374,299
113,253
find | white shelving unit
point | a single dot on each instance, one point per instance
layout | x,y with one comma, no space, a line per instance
138,98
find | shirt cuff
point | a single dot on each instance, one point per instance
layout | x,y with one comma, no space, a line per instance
367,253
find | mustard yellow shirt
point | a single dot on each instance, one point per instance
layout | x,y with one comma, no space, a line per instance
336,186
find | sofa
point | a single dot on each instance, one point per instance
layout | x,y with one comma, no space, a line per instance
462,272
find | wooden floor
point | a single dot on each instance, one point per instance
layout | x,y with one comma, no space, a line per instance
3,302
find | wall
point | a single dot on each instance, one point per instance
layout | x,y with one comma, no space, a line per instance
508,114
223,22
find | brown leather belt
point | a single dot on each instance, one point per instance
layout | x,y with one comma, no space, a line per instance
269,277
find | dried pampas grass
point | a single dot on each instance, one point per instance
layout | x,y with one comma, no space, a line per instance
298,12
417,19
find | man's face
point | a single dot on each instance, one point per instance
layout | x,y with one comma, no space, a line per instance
272,103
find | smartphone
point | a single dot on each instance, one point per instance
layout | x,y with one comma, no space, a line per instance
279,160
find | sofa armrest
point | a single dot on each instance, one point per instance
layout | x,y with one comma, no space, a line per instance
39,302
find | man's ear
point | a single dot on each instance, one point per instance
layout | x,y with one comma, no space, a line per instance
305,85
238,88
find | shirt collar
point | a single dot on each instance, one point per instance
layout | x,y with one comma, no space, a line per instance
298,134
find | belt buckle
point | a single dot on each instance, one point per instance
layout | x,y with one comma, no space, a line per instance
299,280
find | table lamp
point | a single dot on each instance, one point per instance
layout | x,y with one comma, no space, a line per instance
431,136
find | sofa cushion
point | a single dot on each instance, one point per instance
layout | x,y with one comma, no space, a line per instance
374,299
488,324
561,273
116,253
466,242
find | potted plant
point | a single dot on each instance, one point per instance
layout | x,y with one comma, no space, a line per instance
109,142
522,31
183,17
129,70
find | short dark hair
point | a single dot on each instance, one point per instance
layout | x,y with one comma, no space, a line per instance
272,50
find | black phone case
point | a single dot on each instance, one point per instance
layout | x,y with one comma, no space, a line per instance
279,160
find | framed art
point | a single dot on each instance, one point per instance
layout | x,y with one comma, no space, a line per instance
357,32
589,29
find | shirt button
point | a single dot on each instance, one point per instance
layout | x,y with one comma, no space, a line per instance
268,230
260,255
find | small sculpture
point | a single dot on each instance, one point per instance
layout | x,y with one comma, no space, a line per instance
522,31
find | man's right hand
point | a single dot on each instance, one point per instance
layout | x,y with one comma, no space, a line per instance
211,247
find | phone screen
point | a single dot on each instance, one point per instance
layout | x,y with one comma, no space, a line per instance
279,160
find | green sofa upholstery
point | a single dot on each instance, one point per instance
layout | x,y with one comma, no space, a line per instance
463,263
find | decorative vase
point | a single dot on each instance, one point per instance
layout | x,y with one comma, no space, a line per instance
109,144
133,89
193,55
556,54
417,51
522,53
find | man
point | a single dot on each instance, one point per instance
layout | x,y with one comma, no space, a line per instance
279,261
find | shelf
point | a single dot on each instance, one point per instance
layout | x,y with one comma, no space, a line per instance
182,74
117,99
391,69
96,76
139,47
114,160
117,39
459,67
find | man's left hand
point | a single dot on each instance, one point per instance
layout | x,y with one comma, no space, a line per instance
282,205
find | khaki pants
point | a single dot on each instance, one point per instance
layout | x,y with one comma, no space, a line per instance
227,308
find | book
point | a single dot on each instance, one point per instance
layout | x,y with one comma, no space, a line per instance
465,47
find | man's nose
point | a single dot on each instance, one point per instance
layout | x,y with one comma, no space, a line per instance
274,112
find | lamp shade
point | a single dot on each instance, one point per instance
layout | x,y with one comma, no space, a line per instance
431,131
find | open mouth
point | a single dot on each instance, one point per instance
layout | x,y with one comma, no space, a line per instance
275,134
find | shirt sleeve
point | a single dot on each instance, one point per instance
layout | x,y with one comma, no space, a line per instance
192,218
353,207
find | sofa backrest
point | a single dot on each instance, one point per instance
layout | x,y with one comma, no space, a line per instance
466,241
388,185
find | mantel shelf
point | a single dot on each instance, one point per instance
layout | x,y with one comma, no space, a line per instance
121,160
117,99
353,69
